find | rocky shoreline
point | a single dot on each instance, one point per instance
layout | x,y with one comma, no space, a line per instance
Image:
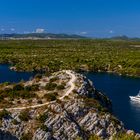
46,69
86,112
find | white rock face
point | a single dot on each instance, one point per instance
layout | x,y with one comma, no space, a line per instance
74,119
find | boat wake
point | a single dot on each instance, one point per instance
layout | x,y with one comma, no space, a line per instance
135,98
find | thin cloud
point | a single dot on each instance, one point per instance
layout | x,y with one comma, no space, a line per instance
40,30
2,29
83,33
111,31
12,29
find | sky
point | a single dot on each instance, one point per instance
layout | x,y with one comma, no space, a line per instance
94,18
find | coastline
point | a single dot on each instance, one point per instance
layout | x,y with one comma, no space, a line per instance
95,103
86,71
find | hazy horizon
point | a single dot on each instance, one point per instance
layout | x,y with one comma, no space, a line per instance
86,36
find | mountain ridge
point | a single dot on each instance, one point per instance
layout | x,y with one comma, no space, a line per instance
41,35
125,38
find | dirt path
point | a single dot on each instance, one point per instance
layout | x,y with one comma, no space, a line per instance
72,86
71,83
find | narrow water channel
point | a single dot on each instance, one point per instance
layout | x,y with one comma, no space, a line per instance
6,75
118,89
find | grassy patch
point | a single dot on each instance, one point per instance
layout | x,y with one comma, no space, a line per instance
124,136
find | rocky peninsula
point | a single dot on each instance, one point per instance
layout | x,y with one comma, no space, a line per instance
62,106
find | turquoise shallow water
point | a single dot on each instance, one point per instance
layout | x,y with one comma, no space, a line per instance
6,75
118,89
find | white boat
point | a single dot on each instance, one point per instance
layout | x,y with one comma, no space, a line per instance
135,98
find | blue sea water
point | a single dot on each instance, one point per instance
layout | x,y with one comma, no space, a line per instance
6,75
118,89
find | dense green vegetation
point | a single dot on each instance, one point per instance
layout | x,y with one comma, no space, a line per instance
95,55
18,91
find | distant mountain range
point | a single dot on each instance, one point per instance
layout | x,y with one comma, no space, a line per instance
36,36
125,38
40,36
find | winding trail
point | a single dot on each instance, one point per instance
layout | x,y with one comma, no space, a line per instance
70,83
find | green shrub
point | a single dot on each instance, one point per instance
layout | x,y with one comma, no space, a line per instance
42,118
18,87
1,98
78,138
115,120
90,102
15,122
60,87
124,136
94,137
44,128
54,79
75,91
6,83
39,102
51,86
50,96
26,94
20,94
27,88
38,76
13,94
24,115
4,113
34,87
27,136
